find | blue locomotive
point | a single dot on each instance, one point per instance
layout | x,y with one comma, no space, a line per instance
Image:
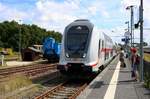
51,49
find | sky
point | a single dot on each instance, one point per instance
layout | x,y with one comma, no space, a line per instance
108,16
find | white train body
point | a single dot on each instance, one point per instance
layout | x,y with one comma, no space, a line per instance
83,49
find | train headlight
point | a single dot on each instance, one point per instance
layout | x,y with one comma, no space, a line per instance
84,55
67,55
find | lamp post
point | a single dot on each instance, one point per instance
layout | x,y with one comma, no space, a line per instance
19,42
132,22
141,40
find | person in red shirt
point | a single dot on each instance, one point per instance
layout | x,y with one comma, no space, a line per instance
134,63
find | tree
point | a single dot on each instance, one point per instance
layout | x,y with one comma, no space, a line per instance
30,35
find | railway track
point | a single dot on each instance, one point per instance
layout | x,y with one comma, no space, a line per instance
66,90
53,88
29,93
30,71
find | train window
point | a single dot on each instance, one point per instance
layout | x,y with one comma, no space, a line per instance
99,44
99,48
102,43
77,37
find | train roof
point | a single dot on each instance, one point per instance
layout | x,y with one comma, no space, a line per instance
107,38
81,22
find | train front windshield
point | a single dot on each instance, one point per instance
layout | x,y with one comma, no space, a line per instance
77,37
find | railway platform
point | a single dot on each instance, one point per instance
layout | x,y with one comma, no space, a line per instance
115,82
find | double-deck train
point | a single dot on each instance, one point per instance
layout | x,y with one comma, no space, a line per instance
84,49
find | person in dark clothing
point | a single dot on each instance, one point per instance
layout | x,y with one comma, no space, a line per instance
121,58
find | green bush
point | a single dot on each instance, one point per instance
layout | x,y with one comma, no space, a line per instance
147,74
147,80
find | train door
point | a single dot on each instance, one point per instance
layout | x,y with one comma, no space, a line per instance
103,51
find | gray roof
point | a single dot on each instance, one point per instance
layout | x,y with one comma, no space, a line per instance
33,49
83,22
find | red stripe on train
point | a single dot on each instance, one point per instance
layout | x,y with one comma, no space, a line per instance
94,64
106,49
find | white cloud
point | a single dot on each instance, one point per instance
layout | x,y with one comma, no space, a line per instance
54,15
146,17
8,13
50,13
97,7
65,7
126,3
47,14
136,4
92,10
2,7
147,13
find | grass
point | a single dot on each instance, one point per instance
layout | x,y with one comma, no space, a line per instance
14,82
27,94
147,71
7,57
18,87
147,80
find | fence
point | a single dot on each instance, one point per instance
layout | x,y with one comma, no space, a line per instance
1,59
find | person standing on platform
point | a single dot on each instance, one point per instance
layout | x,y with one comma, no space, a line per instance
134,63
121,58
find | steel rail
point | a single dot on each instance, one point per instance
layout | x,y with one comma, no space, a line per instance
63,91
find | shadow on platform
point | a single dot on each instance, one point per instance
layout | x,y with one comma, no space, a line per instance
97,84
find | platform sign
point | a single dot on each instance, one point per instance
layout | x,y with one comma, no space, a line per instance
127,34
126,40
